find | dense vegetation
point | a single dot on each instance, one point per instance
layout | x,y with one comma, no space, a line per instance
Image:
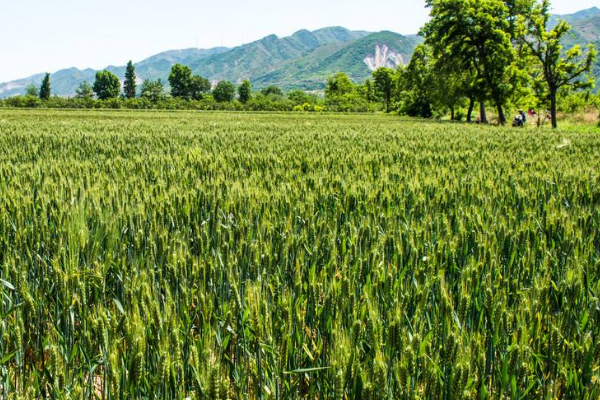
214,256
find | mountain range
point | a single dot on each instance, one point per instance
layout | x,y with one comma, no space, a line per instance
303,60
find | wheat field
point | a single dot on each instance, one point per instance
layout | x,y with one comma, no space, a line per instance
149,255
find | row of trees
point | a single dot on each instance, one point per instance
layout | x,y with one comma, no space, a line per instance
184,86
477,52
496,50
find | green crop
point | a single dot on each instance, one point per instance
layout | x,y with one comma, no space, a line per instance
150,255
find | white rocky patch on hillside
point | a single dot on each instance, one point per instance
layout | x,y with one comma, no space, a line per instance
383,57
9,86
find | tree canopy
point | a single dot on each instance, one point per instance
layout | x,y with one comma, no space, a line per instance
560,69
224,92
107,85
245,91
129,87
84,91
45,90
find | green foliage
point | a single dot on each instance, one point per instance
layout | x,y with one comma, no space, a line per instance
300,97
45,90
295,256
129,87
185,85
32,91
383,79
342,95
417,81
153,97
272,91
153,90
107,85
85,91
180,80
339,85
476,36
367,90
560,70
224,92
198,87
245,91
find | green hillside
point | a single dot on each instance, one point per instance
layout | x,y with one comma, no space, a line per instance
311,71
270,53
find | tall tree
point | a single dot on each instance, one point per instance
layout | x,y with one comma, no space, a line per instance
561,70
476,34
417,83
45,88
129,86
180,80
107,85
224,92
384,82
84,91
245,91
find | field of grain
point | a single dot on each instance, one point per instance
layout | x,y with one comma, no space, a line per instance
157,255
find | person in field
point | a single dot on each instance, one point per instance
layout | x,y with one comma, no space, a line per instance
520,119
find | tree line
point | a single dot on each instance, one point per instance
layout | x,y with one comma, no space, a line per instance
183,85
478,53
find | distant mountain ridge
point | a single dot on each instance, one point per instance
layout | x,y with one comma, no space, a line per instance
312,56
303,60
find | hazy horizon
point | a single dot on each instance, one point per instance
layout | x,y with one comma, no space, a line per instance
66,33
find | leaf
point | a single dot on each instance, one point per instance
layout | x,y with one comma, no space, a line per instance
119,306
513,385
423,345
267,389
8,357
307,351
305,370
527,391
7,284
584,320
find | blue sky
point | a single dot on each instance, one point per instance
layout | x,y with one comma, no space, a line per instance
47,35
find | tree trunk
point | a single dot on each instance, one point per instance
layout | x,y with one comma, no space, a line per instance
451,113
471,107
501,117
388,99
482,114
553,108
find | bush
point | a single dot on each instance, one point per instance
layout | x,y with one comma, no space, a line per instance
350,102
259,102
23,102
